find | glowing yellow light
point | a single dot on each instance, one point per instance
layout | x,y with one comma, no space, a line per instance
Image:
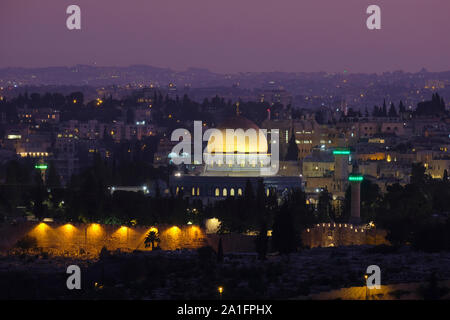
95,226
123,229
74,100
68,227
42,226
173,232
220,289
174,229
153,229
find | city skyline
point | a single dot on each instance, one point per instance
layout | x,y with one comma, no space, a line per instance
301,37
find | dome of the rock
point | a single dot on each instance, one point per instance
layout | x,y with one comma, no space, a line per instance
246,138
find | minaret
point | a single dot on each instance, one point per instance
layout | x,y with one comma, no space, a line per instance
341,156
42,167
355,179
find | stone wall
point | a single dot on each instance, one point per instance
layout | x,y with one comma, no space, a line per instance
342,234
71,239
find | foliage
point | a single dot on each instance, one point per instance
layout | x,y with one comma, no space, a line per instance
151,239
27,243
262,242
285,239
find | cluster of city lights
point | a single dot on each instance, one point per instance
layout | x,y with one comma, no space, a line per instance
340,225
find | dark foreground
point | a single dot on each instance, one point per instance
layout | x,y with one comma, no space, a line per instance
198,275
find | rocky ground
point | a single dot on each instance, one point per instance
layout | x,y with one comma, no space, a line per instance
194,274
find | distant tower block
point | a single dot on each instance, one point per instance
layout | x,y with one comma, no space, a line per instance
355,180
341,164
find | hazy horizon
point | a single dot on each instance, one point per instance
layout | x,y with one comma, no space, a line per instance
224,73
229,37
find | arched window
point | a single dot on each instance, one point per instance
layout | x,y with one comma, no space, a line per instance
239,192
193,191
198,191
232,192
224,192
217,192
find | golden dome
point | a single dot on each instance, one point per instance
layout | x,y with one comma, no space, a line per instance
247,137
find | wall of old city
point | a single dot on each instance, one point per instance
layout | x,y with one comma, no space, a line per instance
342,234
89,239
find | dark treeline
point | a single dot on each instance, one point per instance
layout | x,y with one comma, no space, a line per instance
166,111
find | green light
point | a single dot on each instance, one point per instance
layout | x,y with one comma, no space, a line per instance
341,152
41,166
356,178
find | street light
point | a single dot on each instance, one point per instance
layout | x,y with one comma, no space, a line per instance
365,277
220,289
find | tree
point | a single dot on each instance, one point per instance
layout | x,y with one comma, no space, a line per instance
220,252
53,184
152,238
38,197
434,107
325,207
401,107
376,111
52,180
392,111
403,211
284,237
262,242
418,176
384,110
292,152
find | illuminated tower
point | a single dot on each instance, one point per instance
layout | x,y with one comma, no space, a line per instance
341,157
341,164
355,181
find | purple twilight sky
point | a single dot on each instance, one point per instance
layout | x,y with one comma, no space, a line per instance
229,35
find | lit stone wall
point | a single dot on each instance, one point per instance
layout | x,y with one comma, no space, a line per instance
342,234
73,239
88,239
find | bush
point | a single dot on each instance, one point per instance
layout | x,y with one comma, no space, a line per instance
432,237
27,243
206,253
104,253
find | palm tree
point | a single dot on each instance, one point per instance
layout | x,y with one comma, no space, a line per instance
152,238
